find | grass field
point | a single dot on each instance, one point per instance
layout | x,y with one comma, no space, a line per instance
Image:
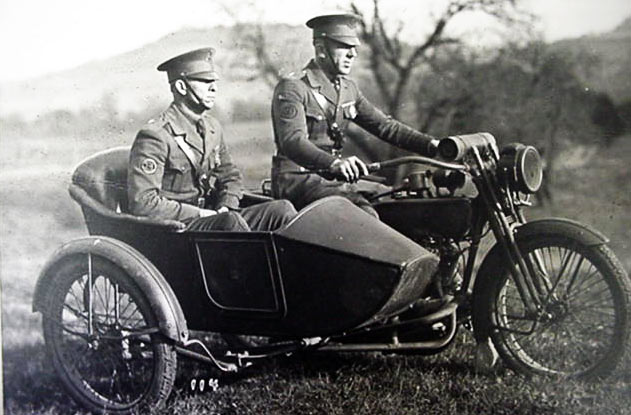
37,216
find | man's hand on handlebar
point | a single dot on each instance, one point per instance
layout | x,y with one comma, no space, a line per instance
349,168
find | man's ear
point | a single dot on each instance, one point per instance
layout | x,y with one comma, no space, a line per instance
320,50
180,87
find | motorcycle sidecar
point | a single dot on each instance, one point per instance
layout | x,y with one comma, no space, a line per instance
333,268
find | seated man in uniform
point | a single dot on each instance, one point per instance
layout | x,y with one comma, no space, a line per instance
310,115
180,167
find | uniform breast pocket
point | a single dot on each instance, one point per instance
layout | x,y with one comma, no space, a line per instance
316,124
178,176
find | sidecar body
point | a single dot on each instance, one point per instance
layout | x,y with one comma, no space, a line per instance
332,269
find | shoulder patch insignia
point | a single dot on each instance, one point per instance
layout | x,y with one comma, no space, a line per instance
149,166
288,111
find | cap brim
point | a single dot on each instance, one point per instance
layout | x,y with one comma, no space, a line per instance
347,40
204,76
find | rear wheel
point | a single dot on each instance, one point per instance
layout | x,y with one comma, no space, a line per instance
582,327
102,337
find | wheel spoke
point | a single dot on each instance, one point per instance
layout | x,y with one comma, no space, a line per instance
589,276
567,257
587,290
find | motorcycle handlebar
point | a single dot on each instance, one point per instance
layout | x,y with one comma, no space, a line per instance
373,167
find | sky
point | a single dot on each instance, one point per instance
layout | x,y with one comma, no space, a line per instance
40,36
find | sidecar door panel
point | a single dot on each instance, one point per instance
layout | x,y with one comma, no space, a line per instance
240,274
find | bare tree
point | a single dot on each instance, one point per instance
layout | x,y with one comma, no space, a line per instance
393,63
266,52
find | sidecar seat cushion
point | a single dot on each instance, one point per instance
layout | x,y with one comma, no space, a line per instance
103,176
99,185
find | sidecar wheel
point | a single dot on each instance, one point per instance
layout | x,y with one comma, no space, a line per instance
103,340
583,327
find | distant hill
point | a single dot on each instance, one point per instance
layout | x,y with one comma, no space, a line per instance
132,82
612,74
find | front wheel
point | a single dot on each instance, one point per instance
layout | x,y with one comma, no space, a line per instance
101,334
582,326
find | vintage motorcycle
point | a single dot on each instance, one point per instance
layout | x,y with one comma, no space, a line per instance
119,305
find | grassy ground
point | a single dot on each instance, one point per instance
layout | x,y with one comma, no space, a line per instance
37,216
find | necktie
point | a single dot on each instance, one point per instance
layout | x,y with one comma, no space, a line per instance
201,128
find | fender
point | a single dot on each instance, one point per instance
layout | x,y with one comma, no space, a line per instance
171,320
584,233
493,259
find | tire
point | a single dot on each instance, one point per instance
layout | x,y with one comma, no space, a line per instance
116,375
584,328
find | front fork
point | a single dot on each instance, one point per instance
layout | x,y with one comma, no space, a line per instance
530,278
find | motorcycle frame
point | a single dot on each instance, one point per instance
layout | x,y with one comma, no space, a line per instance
500,207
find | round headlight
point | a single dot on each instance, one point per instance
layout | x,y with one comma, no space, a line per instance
529,170
520,166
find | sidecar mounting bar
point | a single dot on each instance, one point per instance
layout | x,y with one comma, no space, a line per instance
395,346
446,310
232,361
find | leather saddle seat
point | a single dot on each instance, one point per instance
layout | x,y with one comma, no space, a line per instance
99,185
103,176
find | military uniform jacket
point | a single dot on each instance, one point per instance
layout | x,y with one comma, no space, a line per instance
164,182
300,109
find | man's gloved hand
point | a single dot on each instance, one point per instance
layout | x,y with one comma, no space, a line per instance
206,212
210,212
350,168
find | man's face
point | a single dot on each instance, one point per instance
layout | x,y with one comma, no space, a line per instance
205,92
343,56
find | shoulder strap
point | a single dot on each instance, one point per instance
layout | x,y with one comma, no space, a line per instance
188,151
320,99
334,130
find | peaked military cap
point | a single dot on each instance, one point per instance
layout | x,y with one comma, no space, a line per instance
196,64
340,27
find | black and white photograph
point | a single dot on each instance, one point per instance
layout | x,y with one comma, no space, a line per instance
278,207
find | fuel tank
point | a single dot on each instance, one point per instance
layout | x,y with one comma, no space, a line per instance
449,216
